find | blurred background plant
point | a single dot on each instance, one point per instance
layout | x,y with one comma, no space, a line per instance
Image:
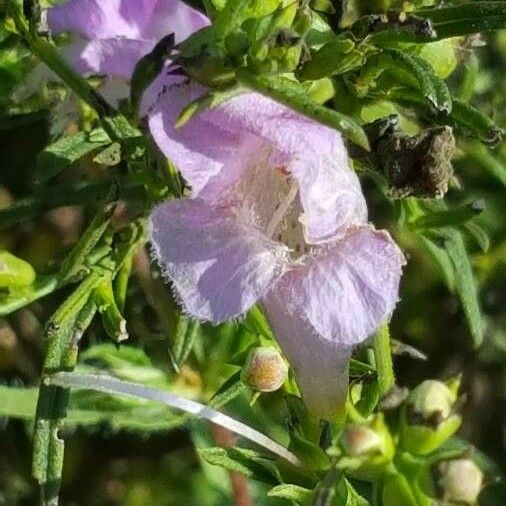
75,190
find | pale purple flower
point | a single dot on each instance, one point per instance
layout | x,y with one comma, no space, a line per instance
110,36
277,217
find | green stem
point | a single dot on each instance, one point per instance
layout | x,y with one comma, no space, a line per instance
63,332
383,359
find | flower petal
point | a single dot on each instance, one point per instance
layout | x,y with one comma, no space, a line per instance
113,57
115,34
220,265
101,18
346,290
314,154
209,157
320,366
174,16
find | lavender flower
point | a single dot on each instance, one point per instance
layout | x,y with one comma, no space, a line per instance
110,36
276,216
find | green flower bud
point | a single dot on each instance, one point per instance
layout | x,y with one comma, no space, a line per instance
366,448
14,272
360,440
427,418
461,481
265,369
431,400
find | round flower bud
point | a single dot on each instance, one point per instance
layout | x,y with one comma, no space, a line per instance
265,369
461,480
366,448
431,401
427,418
360,440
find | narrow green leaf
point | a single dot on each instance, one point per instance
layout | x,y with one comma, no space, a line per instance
187,330
63,153
120,129
219,457
468,18
480,155
293,95
75,263
230,389
131,416
452,217
463,117
479,235
295,493
432,87
443,262
475,123
257,323
245,461
465,283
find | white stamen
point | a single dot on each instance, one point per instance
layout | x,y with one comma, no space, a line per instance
282,209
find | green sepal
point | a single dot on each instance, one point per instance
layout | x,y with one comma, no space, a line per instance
148,68
422,440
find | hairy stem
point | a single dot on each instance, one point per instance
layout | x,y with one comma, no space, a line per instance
383,359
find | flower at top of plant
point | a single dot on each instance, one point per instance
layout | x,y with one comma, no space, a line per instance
278,217
112,35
